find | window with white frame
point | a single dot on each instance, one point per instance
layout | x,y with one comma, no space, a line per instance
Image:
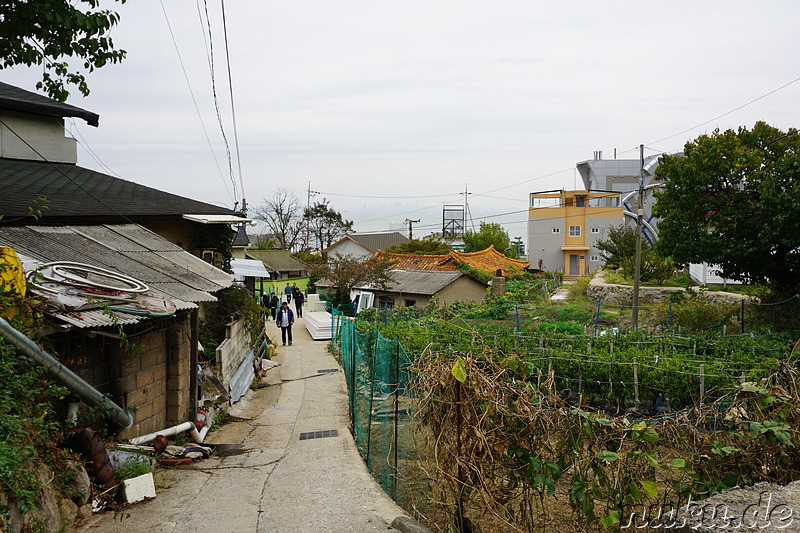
594,258
556,230
595,230
574,231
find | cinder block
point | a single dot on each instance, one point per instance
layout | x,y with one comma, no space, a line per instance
139,488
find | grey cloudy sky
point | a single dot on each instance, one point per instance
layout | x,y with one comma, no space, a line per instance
392,108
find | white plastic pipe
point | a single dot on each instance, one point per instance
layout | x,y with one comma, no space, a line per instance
168,432
197,436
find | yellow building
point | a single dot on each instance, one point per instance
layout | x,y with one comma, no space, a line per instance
564,226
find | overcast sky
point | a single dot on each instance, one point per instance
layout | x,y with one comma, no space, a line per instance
390,109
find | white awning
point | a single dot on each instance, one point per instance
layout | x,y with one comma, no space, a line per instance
248,268
218,219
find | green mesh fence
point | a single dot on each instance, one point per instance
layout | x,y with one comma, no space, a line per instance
376,370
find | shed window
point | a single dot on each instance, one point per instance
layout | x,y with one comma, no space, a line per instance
386,302
411,303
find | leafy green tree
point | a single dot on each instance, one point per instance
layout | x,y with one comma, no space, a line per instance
325,224
51,32
347,272
421,247
489,234
620,245
734,201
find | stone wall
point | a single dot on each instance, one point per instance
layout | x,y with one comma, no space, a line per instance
611,293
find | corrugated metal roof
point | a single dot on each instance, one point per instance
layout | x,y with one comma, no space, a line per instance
126,248
248,268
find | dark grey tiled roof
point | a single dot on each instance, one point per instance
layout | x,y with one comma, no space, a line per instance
16,99
427,282
78,195
376,241
241,239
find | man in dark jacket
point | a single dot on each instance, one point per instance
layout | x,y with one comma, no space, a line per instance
298,302
285,320
274,302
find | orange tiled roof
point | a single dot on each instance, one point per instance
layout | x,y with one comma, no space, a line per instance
419,262
489,260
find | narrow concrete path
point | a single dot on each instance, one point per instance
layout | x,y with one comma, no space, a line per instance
274,482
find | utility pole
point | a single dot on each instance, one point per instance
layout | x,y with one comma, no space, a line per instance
466,193
308,206
638,258
410,222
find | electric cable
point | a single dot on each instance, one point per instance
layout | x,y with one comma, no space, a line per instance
194,100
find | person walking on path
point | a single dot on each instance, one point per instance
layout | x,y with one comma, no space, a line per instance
273,305
298,302
285,321
265,306
287,290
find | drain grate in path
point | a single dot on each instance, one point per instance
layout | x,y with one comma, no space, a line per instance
327,370
319,434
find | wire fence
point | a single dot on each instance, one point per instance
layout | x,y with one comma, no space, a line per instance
377,374
624,373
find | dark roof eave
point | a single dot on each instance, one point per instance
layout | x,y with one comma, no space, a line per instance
55,109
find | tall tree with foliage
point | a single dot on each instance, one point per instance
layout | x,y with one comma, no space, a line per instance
421,247
489,234
283,216
52,32
734,201
347,272
325,224
619,246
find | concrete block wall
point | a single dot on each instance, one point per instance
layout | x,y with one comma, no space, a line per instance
153,379
233,350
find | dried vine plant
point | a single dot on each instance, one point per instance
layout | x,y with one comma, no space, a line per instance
508,452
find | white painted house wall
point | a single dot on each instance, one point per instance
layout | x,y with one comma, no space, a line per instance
347,247
45,134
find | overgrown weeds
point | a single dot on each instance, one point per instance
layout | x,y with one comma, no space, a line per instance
500,448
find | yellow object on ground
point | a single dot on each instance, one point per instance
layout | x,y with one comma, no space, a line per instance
12,277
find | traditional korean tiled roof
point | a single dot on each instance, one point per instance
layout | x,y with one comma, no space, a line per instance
420,262
489,260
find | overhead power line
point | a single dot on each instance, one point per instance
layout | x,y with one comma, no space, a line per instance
194,100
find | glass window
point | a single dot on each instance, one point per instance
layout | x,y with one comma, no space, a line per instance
574,231
595,230
556,230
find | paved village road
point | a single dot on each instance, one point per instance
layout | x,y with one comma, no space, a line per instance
277,483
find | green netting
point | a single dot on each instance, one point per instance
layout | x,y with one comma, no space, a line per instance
377,374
